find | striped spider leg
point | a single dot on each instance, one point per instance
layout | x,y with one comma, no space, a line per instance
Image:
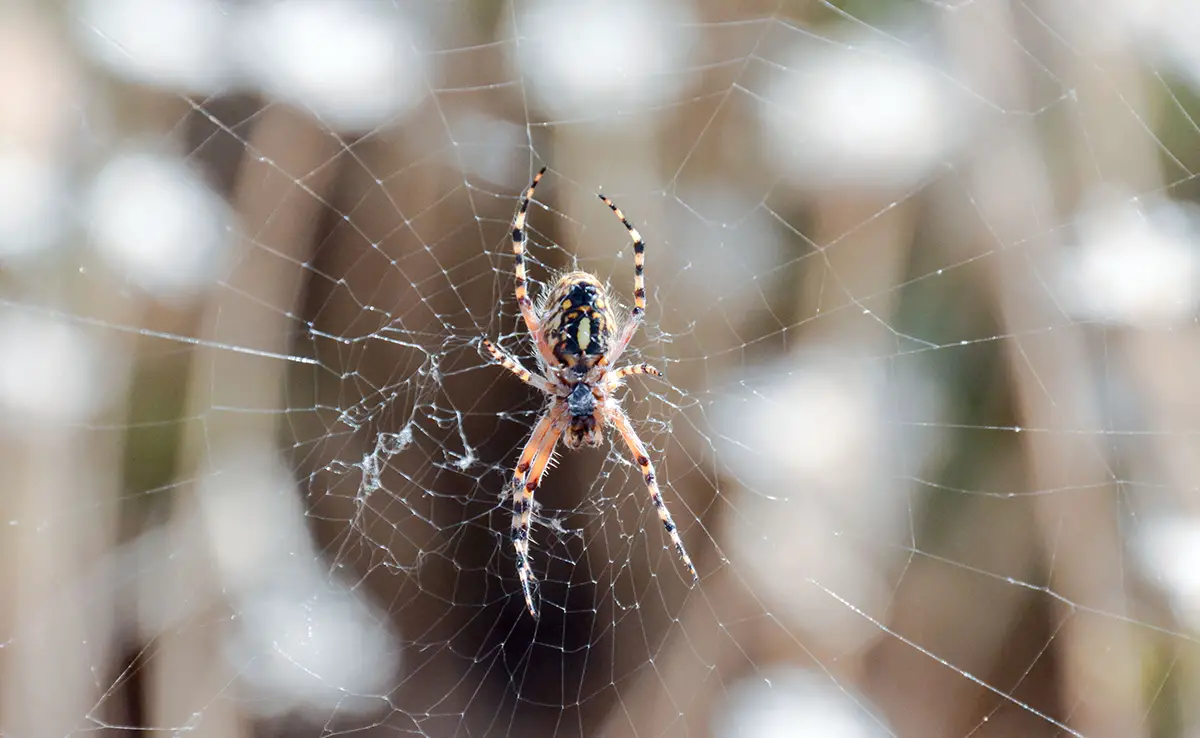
639,285
531,468
617,416
620,421
521,282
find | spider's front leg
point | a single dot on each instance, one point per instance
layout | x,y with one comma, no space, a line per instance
515,367
620,421
524,302
528,475
639,284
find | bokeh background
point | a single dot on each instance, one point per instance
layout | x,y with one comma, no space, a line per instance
922,276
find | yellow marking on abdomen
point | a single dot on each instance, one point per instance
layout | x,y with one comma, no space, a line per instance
584,335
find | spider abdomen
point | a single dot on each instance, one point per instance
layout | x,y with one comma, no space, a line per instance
578,321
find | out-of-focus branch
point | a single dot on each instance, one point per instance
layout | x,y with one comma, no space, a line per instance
1055,392
56,623
235,396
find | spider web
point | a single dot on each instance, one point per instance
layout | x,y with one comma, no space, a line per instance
921,277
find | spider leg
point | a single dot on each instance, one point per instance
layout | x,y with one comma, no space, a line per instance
522,289
615,377
515,367
639,284
639,259
620,421
528,475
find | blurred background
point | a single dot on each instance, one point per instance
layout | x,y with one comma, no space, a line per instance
922,276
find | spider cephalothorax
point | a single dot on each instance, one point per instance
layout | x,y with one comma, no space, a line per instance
586,426
578,340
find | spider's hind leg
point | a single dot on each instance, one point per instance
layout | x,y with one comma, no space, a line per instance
620,420
528,475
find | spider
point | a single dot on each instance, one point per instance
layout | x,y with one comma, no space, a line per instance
578,339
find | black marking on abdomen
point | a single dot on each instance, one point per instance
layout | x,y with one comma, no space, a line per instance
583,335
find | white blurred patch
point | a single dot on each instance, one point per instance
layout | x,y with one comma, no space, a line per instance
1133,263
33,191
326,651
490,148
39,95
858,117
819,448
729,256
583,60
1169,551
794,703
1164,30
352,63
178,45
157,222
39,83
302,642
1114,23
252,516
52,372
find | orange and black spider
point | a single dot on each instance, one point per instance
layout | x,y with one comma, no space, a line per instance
578,339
